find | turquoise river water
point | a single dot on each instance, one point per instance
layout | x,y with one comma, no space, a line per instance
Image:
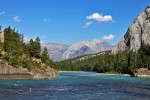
77,86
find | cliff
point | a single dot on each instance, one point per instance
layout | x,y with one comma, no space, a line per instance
137,33
9,72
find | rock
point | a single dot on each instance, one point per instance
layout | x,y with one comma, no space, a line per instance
44,74
138,32
142,72
9,72
8,69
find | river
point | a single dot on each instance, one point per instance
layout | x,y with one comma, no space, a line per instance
77,86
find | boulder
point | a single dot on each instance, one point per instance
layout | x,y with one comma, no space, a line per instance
142,72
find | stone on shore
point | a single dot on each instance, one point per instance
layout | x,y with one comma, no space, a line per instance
142,72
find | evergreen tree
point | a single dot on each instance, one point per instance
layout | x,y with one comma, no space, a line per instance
45,56
31,47
37,47
34,48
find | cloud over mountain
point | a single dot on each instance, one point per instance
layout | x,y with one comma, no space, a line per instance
109,37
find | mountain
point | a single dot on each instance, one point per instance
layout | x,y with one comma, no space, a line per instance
60,52
137,33
86,47
55,50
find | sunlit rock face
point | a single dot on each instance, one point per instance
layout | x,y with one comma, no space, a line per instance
86,47
138,32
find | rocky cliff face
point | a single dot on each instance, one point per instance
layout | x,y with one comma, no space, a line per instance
9,72
138,32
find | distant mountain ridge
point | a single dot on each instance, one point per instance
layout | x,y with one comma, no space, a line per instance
55,50
86,47
60,52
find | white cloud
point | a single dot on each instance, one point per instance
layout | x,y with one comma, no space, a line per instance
16,18
45,20
87,24
109,37
99,17
2,12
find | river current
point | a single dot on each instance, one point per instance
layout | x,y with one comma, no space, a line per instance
77,86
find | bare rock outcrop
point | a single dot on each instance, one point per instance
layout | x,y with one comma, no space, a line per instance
9,72
137,33
44,74
142,72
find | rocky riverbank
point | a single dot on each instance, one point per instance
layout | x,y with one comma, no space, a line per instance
9,72
142,72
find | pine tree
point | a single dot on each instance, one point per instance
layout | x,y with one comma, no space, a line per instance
34,48
45,56
30,47
37,47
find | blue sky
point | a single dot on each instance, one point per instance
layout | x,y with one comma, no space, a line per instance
70,21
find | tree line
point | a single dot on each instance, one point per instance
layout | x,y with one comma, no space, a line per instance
20,54
125,62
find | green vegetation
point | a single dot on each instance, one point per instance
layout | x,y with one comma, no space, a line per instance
18,54
45,57
122,62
